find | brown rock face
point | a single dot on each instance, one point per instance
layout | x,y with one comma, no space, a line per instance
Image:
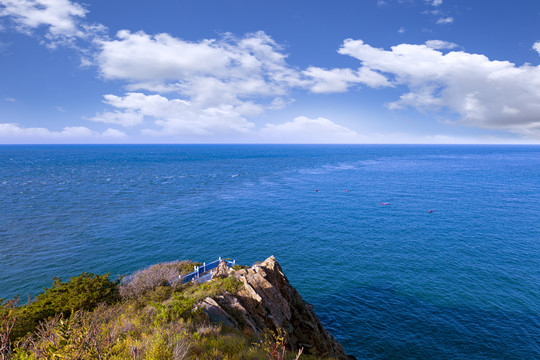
222,270
268,301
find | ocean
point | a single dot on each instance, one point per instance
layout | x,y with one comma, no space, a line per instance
405,251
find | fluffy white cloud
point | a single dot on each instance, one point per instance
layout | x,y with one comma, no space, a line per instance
206,87
339,80
485,93
440,44
305,130
208,72
13,133
179,117
60,17
536,46
437,2
446,20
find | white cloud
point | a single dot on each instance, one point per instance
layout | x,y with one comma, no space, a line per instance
60,17
114,133
339,80
401,30
536,46
483,92
177,117
209,72
126,119
200,88
13,133
437,2
446,20
305,130
10,99
440,44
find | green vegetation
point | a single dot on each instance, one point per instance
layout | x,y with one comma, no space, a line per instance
84,292
137,317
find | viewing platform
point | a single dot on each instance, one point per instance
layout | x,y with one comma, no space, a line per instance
204,272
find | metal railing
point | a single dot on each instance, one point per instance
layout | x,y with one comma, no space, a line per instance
200,272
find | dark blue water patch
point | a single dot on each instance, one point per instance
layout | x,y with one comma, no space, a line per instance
383,324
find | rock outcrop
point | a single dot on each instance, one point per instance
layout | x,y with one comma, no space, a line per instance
268,301
223,270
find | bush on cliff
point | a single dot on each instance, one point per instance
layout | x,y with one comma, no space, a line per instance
147,280
84,292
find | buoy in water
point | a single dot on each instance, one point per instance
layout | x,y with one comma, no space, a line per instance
384,203
316,190
430,211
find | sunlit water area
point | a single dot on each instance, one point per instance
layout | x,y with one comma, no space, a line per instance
406,252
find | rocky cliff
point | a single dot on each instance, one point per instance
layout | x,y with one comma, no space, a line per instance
268,301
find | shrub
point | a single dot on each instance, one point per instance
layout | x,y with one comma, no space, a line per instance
239,267
144,281
8,316
232,284
84,292
159,349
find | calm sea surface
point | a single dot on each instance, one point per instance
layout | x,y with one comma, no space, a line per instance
389,281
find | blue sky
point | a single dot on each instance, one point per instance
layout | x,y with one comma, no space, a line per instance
370,71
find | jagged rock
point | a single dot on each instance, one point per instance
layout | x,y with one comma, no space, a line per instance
216,314
233,306
268,301
222,270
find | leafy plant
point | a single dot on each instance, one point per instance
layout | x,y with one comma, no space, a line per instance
84,292
274,346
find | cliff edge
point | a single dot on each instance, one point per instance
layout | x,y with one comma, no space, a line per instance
166,312
268,301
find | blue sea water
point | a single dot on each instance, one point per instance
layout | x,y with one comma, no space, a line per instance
389,281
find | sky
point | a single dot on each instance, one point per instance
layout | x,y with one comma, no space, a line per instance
250,71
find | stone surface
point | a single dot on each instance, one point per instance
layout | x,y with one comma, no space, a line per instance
268,302
216,314
223,270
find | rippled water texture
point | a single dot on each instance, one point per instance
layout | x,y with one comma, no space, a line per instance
390,281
